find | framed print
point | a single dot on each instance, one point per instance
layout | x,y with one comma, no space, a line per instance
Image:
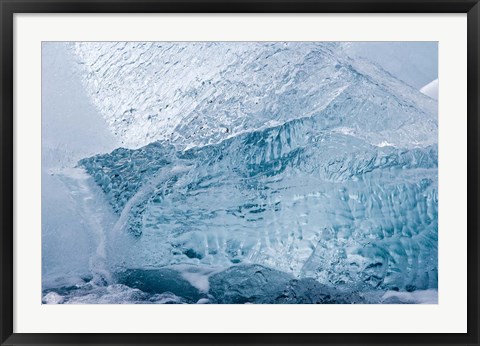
239,173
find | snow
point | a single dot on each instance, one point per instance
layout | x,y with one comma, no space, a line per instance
431,89
53,298
384,144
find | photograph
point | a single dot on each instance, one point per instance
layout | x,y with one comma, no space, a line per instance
239,172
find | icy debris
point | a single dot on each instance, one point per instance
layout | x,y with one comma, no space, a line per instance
52,298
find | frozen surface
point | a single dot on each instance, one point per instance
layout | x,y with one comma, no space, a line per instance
281,172
316,204
197,93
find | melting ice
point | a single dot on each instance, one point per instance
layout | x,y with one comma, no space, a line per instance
260,173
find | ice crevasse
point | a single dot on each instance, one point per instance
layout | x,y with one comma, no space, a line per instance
285,155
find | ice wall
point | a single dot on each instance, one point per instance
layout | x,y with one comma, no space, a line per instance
284,155
287,155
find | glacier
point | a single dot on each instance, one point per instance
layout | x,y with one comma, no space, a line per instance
260,172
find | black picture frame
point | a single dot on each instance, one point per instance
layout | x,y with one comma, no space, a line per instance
10,7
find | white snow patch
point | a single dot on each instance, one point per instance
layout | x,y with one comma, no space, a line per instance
53,298
431,89
344,130
384,144
197,280
197,276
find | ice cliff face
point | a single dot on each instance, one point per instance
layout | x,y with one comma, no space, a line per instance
286,155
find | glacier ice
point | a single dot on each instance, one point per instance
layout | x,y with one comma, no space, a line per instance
341,187
261,172
316,204
197,93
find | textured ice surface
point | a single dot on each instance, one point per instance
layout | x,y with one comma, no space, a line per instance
335,179
195,93
249,284
256,284
254,173
324,205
